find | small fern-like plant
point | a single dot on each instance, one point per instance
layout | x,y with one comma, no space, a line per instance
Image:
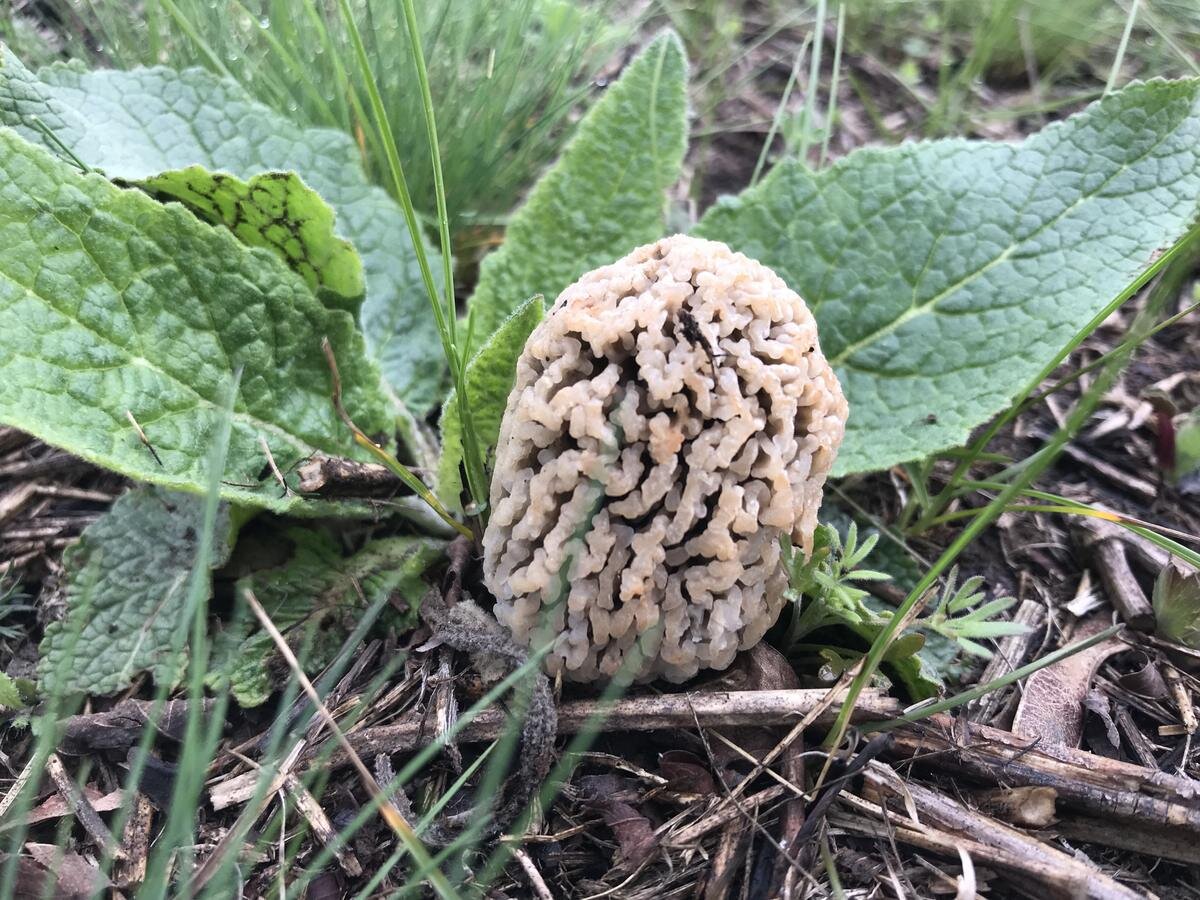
826,592
824,586
961,615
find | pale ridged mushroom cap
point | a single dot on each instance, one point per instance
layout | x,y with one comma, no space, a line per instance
672,417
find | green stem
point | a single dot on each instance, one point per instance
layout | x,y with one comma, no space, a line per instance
476,479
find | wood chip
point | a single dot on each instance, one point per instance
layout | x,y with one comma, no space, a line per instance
321,826
1121,586
1011,652
135,844
1031,806
1051,707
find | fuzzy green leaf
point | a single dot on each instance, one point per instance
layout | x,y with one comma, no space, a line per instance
944,276
490,376
1187,450
112,304
314,599
127,582
275,210
1177,604
10,694
604,196
140,123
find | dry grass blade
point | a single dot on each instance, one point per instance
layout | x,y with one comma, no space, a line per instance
387,809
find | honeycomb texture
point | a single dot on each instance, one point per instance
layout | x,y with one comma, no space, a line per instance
671,418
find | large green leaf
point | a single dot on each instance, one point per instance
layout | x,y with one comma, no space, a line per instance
112,305
275,210
316,599
140,123
127,582
944,276
603,197
490,375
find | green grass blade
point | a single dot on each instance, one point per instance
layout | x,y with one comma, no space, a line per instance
831,108
396,171
473,456
202,46
1181,251
924,711
431,134
1119,59
414,766
814,82
444,317
780,110
197,746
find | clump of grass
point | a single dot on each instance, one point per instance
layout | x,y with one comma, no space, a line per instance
1059,49
505,77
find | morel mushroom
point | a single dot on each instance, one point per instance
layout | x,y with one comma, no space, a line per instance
672,417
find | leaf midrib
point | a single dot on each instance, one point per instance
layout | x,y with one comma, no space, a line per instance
914,311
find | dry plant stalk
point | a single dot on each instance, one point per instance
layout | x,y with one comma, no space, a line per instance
1102,787
652,713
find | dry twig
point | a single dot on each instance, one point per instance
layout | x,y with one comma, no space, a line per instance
650,713
135,844
82,807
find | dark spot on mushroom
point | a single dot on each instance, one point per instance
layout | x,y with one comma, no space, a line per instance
690,329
